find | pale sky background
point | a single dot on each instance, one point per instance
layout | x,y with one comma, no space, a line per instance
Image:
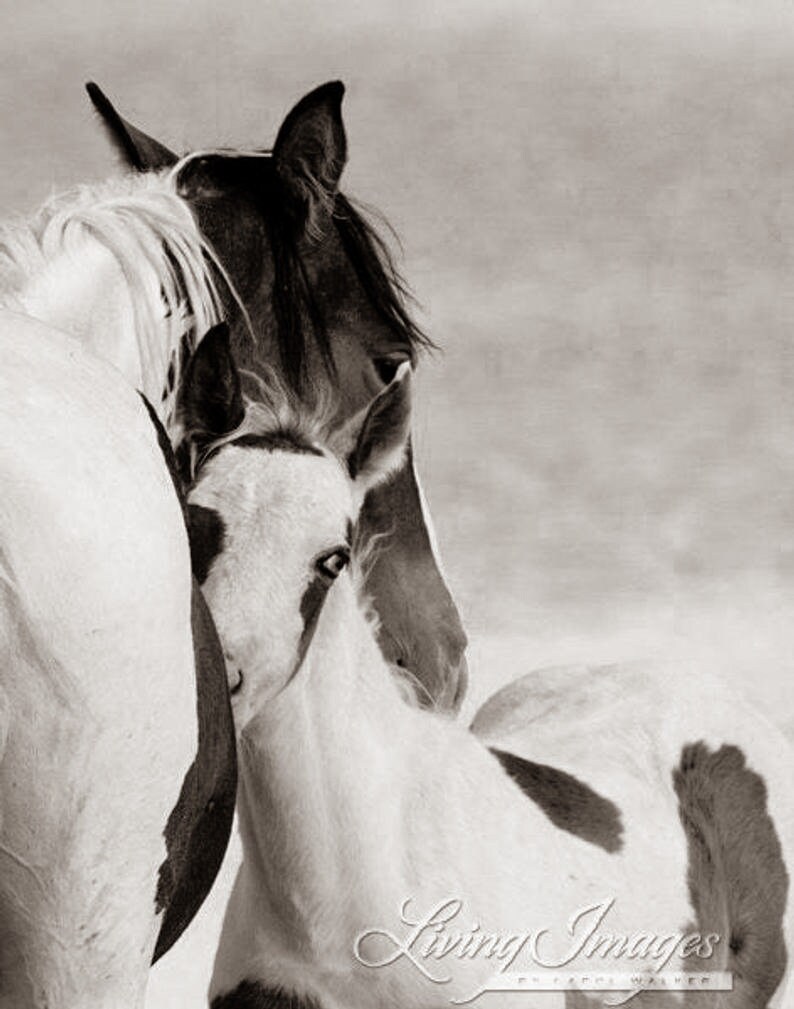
596,203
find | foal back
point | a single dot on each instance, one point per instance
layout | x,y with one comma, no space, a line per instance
698,774
97,684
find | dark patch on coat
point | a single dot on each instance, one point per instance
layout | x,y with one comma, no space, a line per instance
206,533
311,607
198,829
737,879
570,804
168,456
404,569
253,995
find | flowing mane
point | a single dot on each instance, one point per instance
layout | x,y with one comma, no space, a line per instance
169,267
297,314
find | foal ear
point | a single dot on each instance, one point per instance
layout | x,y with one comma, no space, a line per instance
134,147
310,153
383,436
210,397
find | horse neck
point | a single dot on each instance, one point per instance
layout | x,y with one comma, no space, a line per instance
85,293
88,299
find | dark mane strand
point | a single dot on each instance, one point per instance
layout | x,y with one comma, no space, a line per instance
293,303
296,310
294,307
375,268
315,315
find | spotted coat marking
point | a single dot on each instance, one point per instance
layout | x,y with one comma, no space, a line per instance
737,879
206,534
253,995
198,829
570,804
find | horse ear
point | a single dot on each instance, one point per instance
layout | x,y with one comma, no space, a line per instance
135,148
382,437
210,396
311,150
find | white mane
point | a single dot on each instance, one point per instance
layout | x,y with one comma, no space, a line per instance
152,234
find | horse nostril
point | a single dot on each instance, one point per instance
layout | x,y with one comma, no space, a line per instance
238,685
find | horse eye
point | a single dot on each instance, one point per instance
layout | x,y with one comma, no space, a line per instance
386,367
333,564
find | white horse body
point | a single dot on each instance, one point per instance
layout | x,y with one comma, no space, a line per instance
352,803
623,728
97,662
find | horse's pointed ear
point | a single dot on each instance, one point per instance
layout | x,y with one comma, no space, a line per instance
137,149
310,153
210,397
380,444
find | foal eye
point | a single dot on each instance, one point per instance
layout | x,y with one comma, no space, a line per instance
333,564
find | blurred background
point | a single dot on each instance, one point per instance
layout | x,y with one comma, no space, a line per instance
597,215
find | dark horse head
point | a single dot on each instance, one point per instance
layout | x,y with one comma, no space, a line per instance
327,311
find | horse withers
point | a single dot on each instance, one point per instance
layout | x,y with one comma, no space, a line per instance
315,284
633,822
117,765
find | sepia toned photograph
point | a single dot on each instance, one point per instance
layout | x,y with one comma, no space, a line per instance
397,505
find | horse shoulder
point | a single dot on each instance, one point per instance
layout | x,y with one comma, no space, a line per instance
96,638
199,826
93,538
88,503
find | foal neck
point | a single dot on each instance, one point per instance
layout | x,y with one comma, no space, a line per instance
319,791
